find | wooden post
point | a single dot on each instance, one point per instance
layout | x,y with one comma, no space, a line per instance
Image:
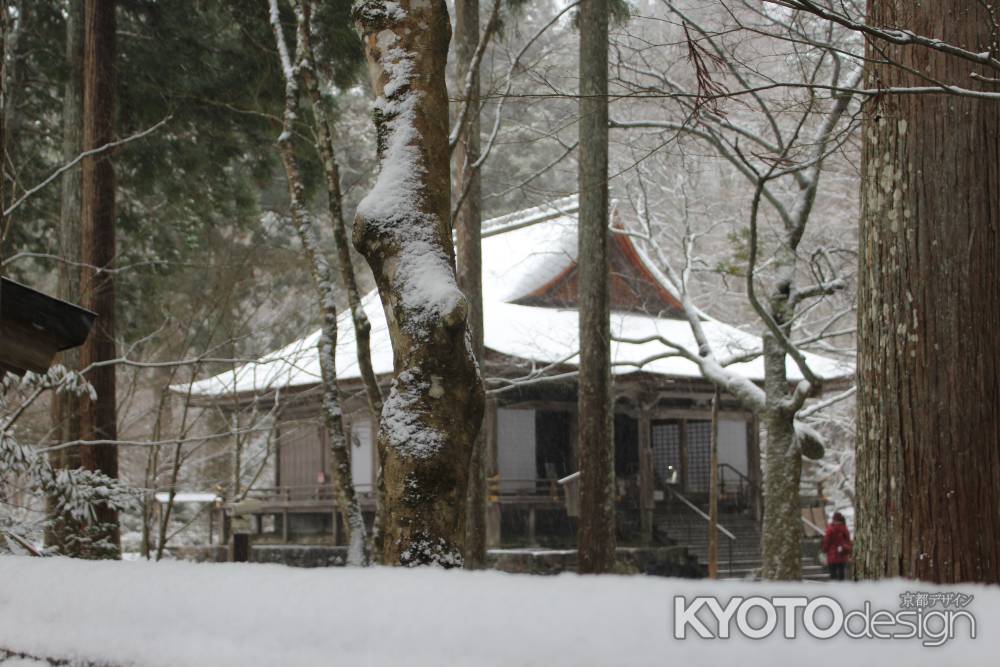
753,467
682,455
647,502
713,493
531,527
493,536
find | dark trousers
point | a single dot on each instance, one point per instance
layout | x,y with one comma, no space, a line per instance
838,571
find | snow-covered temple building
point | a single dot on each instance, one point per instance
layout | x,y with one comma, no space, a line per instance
662,420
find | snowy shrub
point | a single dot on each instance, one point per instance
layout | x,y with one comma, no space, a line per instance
28,477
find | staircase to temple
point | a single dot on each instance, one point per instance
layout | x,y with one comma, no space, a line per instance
739,557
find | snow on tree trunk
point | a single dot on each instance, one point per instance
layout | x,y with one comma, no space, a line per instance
928,458
323,280
434,409
99,417
597,469
469,250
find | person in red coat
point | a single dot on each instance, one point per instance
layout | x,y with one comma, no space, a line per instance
837,546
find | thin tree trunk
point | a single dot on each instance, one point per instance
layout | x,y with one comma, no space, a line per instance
149,502
328,155
781,527
323,279
469,251
17,53
348,278
928,458
596,424
66,405
167,508
434,409
98,418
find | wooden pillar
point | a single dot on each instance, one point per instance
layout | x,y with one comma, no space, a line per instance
682,454
493,536
713,493
531,527
647,502
753,468
284,526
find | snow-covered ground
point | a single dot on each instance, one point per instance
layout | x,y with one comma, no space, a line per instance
174,613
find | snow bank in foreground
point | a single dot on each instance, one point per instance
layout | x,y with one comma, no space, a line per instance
247,614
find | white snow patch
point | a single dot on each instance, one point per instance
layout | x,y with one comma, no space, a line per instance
401,423
175,614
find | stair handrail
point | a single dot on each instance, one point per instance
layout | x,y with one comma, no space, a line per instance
809,523
722,529
739,474
754,488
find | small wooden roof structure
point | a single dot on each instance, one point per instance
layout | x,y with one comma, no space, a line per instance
35,326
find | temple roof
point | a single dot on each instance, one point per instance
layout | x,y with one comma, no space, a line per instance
529,303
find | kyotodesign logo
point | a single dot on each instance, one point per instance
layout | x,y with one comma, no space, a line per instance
932,618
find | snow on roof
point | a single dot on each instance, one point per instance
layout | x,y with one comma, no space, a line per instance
521,252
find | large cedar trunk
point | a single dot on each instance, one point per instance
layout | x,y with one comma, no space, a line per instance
433,412
98,418
66,405
929,310
469,251
597,469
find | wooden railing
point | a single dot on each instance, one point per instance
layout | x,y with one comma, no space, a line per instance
525,491
310,494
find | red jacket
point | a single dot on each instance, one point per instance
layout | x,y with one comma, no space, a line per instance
837,544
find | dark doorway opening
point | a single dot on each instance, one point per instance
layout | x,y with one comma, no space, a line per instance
553,444
626,446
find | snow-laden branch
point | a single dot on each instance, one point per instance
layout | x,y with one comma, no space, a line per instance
898,36
75,161
826,403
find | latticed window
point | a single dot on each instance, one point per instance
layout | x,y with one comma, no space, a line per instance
699,453
666,441
684,446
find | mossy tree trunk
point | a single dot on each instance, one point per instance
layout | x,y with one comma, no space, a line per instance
596,425
433,412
